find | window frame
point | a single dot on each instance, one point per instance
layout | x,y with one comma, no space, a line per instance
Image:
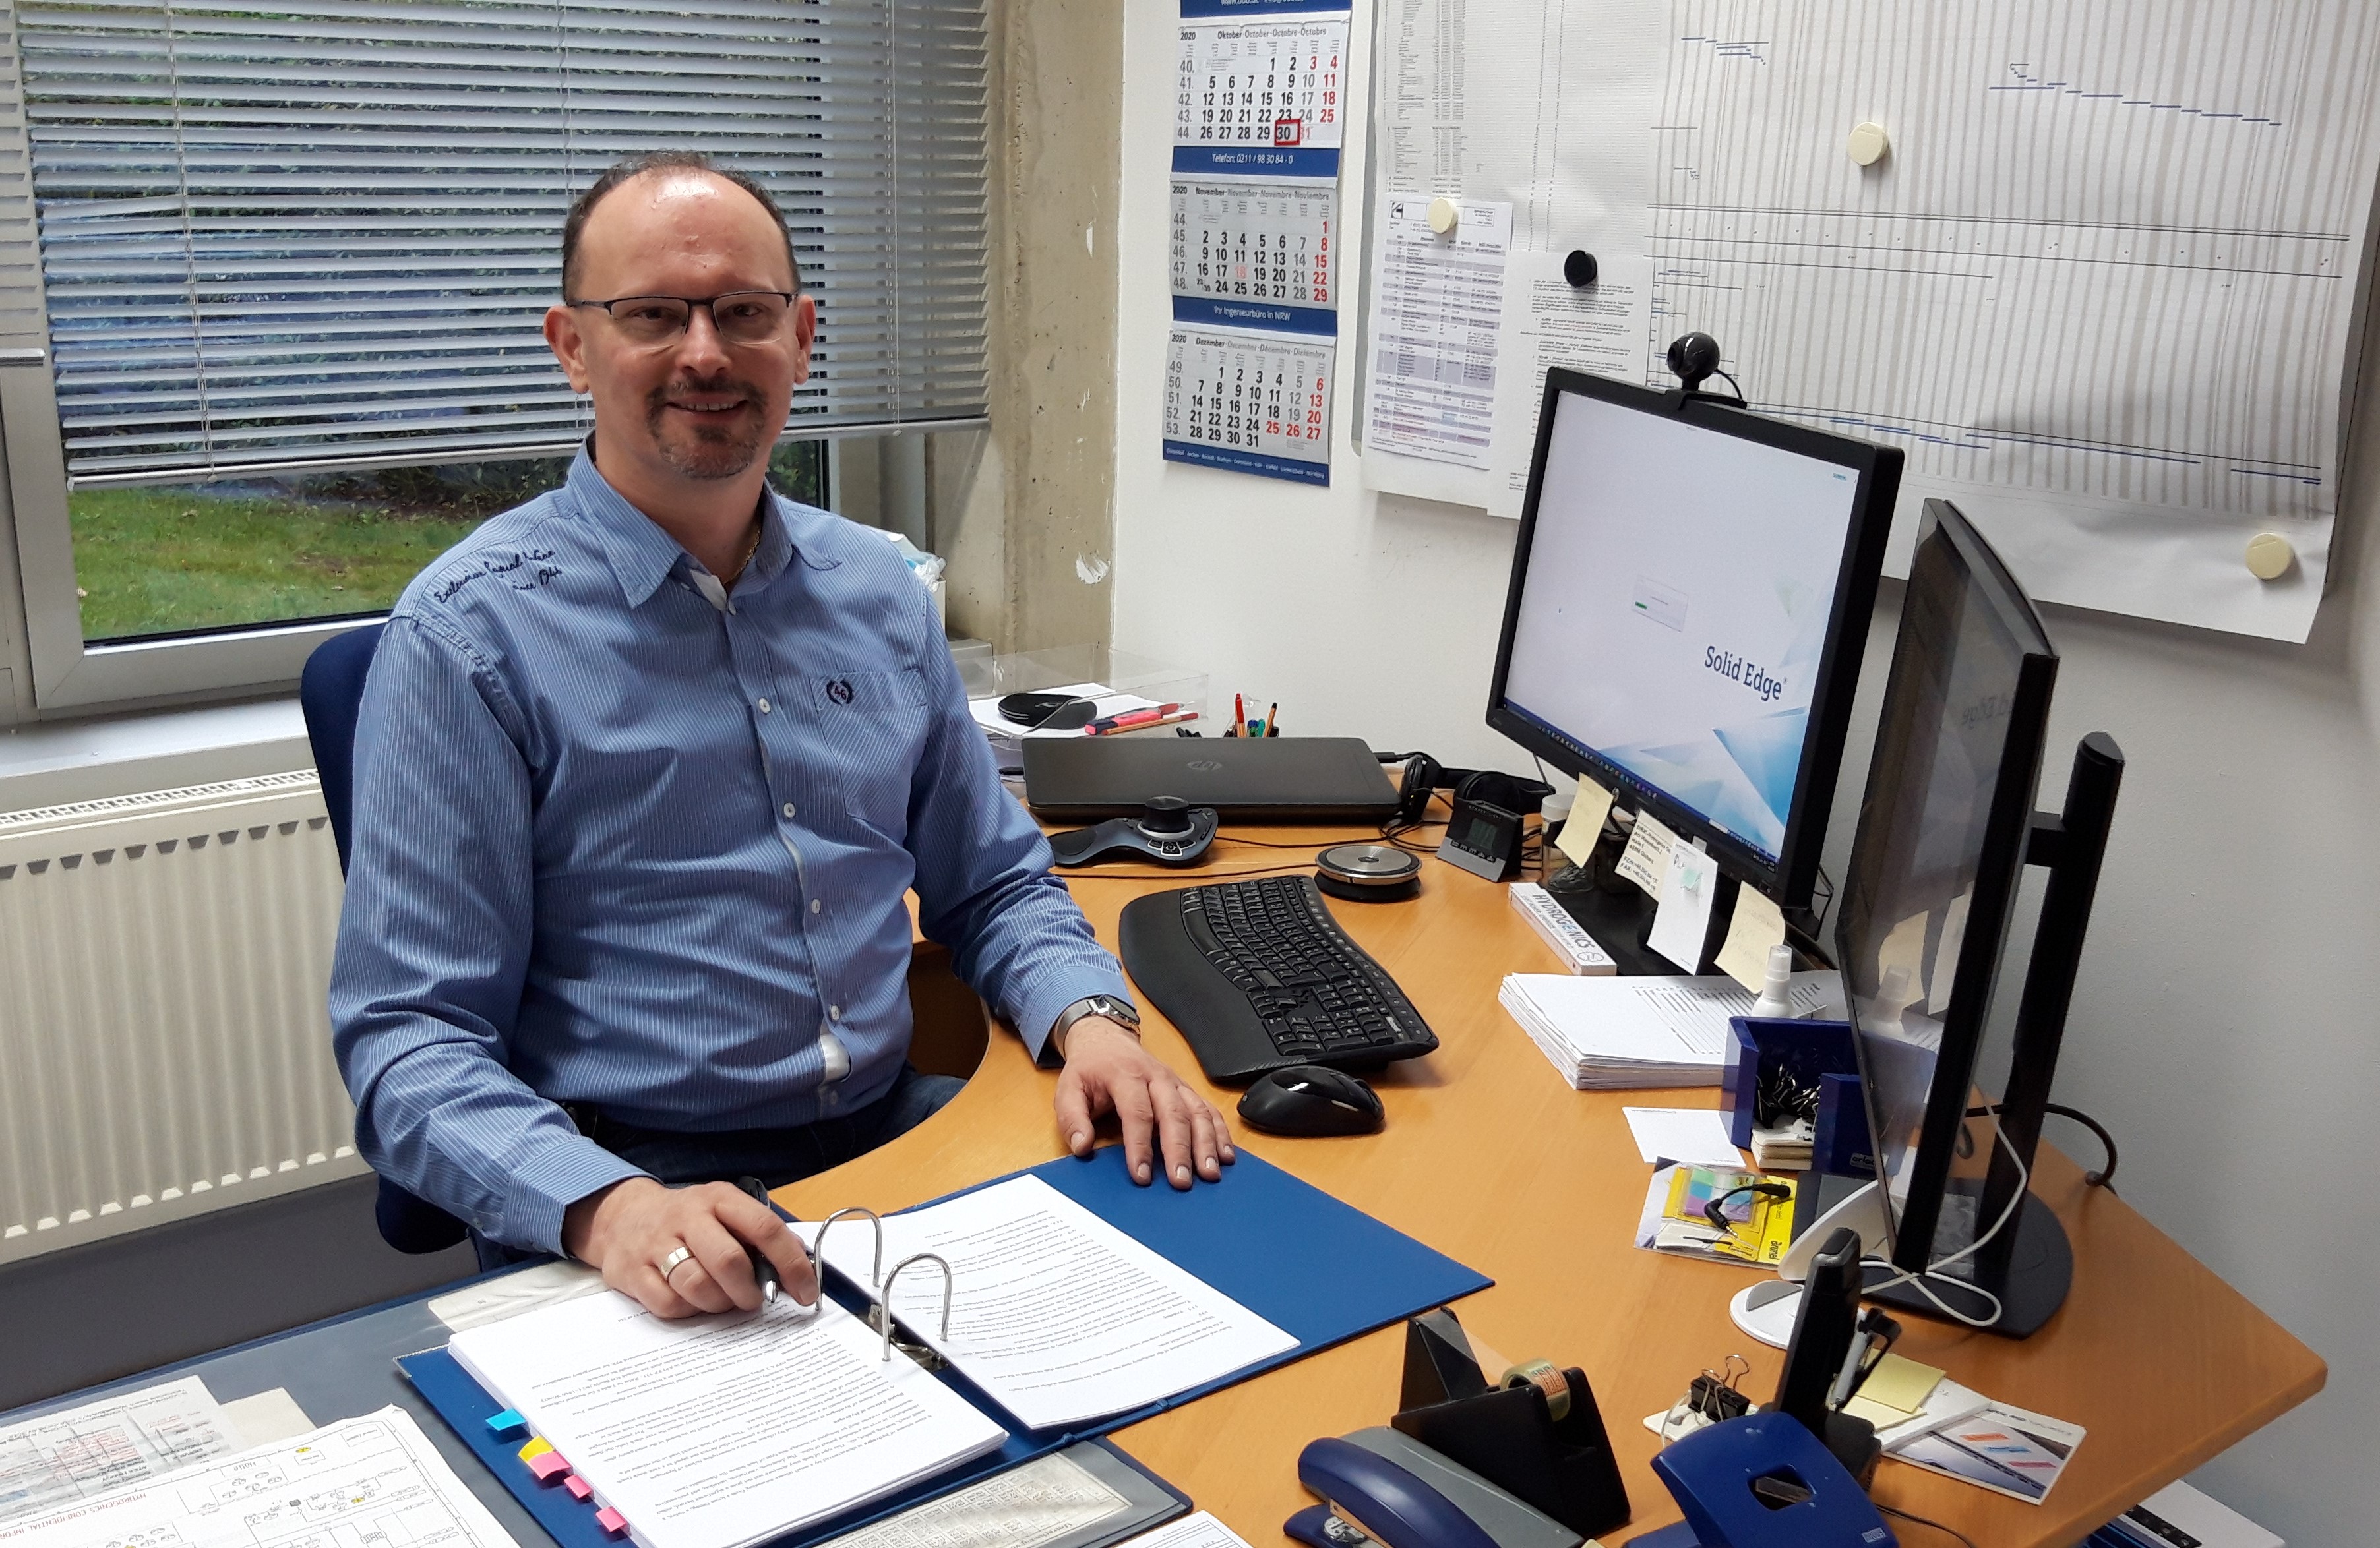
40,614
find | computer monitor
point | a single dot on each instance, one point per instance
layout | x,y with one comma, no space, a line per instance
1690,598
1944,831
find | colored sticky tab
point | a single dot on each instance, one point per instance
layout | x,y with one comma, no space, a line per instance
538,1446
579,1487
507,1421
548,1466
611,1521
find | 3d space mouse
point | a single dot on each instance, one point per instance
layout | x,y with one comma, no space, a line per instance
1307,1099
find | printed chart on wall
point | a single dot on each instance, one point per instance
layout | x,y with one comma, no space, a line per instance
2094,269
1259,118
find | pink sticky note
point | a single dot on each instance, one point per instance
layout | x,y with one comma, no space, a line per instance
579,1487
548,1466
611,1521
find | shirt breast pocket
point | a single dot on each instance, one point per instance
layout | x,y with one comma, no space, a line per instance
868,692
870,733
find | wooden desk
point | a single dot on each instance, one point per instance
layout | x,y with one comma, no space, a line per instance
1489,1156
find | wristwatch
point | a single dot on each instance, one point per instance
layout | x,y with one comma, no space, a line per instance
1108,1005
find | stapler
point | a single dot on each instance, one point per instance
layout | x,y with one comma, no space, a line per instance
1467,1463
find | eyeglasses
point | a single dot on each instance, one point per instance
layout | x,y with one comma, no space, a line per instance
741,316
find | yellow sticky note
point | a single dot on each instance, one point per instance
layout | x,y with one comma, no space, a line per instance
1883,1416
1585,824
538,1446
1757,925
1900,1384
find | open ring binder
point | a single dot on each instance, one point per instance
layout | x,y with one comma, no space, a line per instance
918,1352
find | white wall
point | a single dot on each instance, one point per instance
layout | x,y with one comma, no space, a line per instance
2224,1024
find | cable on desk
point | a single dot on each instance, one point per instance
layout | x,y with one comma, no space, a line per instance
2105,1176
1265,843
1923,1521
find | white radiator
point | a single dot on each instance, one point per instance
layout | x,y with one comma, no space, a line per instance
164,1048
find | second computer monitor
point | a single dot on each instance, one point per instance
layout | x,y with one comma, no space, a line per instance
1689,605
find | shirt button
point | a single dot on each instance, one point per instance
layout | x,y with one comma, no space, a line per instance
764,707
789,808
816,905
834,1012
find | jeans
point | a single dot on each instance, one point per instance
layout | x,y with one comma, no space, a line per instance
776,1156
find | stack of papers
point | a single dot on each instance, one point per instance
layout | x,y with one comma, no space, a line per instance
1609,1034
373,1480
1055,1314
1008,737
721,1431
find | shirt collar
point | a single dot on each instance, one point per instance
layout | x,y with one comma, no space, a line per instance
642,555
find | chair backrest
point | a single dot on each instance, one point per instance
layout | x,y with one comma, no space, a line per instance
330,691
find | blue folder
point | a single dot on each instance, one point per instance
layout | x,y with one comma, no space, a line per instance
1318,1269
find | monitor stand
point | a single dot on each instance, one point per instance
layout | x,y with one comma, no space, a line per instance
2031,1277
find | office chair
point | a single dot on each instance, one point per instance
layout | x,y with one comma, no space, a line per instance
330,691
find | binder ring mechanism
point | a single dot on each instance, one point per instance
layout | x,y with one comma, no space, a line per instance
879,1287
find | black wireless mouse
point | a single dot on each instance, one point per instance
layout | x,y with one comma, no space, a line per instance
1307,1100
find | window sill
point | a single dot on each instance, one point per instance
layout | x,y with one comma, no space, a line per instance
50,765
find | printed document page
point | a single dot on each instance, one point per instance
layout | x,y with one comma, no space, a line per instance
1055,1313
81,1453
722,1431
375,1479
1051,1499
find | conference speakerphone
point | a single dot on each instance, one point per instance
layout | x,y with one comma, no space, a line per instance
1280,779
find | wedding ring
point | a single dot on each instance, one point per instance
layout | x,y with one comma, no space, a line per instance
674,1262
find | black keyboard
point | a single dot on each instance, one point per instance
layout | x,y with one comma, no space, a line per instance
1258,976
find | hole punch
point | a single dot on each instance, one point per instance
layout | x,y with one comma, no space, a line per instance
881,1314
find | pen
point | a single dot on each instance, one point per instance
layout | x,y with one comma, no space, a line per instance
1272,719
1131,718
762,1269
1239,716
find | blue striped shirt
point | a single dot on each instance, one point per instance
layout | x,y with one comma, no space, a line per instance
616,845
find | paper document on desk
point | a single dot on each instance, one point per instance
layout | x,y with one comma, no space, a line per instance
1058,1316
375,1480
1047,1500
1201,1530
82,1452
1609,1034
719,1432
2004,1449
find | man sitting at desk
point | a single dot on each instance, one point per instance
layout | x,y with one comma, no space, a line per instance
644,769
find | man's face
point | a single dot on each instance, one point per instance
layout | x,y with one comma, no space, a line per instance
698,407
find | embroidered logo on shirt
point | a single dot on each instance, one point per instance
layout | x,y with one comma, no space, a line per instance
839,690
522,569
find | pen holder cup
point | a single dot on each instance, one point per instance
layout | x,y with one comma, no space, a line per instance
1767,1047
1562,1468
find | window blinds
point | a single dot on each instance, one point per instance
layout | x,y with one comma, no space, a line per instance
326,234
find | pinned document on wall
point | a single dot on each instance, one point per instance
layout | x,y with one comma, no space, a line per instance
1259,118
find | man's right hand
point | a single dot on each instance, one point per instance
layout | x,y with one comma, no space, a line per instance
629,1228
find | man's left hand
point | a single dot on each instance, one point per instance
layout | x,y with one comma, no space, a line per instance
1107,1071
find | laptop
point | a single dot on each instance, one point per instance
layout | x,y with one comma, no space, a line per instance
1282,779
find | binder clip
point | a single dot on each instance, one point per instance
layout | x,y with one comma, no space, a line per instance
1713,1397
1535,1434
